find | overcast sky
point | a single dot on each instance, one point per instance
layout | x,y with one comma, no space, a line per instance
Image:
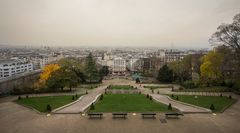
158,23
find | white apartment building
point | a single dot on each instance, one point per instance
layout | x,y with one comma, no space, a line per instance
170,55
119,66
40,62
13,67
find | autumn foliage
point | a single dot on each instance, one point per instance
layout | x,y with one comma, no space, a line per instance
47,72
211,67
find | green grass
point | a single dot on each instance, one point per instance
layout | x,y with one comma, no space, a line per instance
128,103
121,87
220,103
207,89
40,103
157,87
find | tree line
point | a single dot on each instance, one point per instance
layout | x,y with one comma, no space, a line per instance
69,73
219,67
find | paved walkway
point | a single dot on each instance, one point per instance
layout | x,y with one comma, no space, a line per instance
15,118
88,99
84,103
182,107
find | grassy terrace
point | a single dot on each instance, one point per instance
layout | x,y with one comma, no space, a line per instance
128,103
122,87
207,89
220,103
157,87
40,103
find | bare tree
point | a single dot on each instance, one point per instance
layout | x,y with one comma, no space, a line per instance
229,35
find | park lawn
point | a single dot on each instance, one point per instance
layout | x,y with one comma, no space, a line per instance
40,103
127,103
220,103
121,87
157,87
207,89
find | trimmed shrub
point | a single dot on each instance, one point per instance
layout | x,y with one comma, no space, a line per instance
150,98
73,97
212,107
76,96
177,98
92,107
172,96
26,96
169,106
19,97
147,96
49,108
101,97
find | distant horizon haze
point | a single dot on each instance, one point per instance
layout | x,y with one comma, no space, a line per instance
113,23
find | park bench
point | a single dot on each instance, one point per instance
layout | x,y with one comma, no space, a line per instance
119,115
95,115
148,115
174,114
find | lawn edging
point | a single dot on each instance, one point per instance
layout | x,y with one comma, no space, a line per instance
167,104
29,107
64,106
195,106
234,101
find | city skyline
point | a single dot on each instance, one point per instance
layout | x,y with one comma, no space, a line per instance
179,24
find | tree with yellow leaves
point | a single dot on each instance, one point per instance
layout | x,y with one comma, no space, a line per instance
47,73
211,66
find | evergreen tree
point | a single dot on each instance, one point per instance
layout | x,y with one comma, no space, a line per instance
165,74
91,69
104,71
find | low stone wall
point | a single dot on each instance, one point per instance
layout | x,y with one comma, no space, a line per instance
19,82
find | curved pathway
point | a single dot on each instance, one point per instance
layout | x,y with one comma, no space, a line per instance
84,103
183,107
81,105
